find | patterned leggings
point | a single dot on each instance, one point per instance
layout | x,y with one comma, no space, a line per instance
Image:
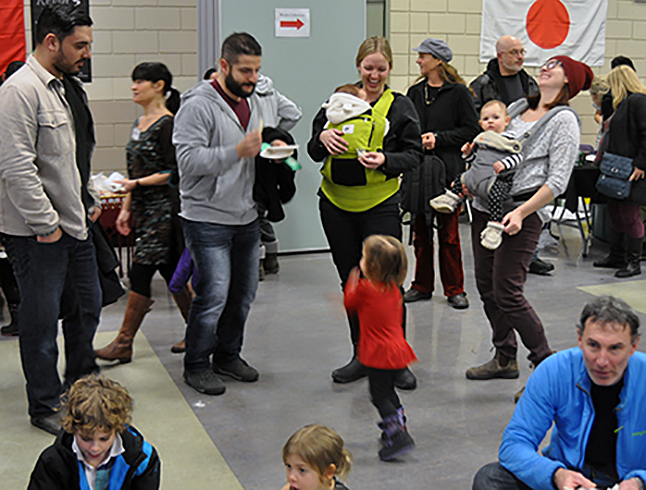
498,193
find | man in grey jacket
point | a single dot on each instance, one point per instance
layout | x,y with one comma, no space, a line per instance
217,136
46,204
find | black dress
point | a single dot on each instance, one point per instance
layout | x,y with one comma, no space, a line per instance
154,208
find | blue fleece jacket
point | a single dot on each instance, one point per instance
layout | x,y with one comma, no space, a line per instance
559,392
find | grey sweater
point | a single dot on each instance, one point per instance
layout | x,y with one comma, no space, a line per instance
215,185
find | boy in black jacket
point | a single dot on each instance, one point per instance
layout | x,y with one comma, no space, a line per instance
97,450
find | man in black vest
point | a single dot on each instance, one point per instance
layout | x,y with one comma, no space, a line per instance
504,79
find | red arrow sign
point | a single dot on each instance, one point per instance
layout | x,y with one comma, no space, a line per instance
292,23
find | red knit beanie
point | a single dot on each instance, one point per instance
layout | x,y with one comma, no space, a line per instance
579,74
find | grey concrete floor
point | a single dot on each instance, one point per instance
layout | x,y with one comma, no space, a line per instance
297,334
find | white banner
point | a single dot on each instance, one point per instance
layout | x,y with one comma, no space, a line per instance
576,28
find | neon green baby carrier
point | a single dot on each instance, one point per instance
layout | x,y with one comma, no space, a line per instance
346,182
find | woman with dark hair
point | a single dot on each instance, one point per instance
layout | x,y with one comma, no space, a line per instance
449,120
152,203
548,160
627,137
359,196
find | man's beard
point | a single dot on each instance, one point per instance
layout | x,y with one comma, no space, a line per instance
64,66
237,88
513,68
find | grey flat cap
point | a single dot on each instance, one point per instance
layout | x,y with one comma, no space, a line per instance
437,48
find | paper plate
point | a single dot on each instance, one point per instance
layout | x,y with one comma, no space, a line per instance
278,152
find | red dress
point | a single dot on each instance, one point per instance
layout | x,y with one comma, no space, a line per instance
381,343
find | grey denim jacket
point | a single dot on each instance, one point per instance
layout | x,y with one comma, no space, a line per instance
40,184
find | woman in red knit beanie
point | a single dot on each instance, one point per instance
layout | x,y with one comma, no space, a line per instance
548,159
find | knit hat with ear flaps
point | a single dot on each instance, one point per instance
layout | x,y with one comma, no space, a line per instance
579,75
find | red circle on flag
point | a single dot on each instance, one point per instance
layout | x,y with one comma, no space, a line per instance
548,23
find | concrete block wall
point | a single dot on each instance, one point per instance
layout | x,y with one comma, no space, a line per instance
458,22
128,32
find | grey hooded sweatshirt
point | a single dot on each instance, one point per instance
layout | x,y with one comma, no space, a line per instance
216,186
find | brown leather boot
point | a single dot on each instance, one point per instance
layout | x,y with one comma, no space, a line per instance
494,369
183,301
120,349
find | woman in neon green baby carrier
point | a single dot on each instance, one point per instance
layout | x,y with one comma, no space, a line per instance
359,193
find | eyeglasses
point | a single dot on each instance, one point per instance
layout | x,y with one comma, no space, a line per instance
516,52
551,64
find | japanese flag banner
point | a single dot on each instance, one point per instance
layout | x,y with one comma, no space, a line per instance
12,32
576,28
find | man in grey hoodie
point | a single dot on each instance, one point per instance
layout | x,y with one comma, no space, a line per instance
217,136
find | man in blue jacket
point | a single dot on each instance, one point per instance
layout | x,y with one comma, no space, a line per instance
595,397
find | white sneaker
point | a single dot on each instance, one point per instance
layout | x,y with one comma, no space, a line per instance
491,236
446,203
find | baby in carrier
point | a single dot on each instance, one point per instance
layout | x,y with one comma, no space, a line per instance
492,158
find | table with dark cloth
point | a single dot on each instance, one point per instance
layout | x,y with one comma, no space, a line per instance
582,185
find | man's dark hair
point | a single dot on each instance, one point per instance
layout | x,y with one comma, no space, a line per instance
608,309
208,73
13,67
61,20
621,60
239,43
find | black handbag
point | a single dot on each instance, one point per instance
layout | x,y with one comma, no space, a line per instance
615,170
615,174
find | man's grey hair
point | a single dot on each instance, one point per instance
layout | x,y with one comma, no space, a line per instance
608,309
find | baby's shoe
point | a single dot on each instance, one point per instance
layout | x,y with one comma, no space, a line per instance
446,203
491,236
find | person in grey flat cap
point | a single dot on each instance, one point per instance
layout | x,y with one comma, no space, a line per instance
436,47
448,119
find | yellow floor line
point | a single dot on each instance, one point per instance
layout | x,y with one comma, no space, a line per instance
632,292
189,457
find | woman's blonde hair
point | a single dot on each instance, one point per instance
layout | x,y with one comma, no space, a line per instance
375,44
319,447
96,403
624,81
449,74
385,260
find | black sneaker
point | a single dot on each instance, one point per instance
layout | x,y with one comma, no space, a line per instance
459,301
238,370
541,267
413,295
51,424
205,382
271,264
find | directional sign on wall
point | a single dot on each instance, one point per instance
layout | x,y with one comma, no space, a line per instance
292,22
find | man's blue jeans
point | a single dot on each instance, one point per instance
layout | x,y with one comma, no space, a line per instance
495,477
227,261
55,278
